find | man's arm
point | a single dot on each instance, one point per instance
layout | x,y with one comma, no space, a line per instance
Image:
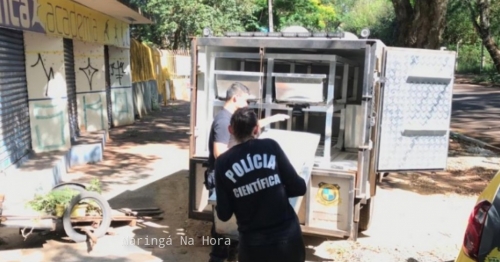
221,138
275,118
219,149
294,184
224,206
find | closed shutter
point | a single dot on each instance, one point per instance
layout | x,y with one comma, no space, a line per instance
69,64
108,86
15,134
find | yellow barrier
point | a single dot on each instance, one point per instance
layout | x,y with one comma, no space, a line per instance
149,63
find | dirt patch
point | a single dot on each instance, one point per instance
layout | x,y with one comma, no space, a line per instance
467,182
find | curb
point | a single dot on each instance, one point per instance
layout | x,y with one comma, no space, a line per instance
474,141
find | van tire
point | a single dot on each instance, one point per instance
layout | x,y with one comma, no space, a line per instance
106,216
366,214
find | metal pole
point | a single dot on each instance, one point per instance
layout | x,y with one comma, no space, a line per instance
482,58
270,10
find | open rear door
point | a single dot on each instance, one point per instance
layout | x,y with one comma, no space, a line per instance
416,109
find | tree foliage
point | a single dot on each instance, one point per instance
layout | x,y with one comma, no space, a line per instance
459,29
376,15
462,24
177,21
481,16
311,14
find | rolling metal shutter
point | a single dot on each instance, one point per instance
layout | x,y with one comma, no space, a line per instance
69,65
15,133
108,86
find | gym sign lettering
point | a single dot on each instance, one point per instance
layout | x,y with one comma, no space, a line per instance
64,18
20,14
68,19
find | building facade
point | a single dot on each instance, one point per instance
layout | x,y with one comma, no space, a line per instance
64,70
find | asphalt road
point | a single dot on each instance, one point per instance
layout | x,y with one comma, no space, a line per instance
476,111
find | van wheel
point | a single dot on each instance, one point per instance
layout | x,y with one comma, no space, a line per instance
101,230
366,214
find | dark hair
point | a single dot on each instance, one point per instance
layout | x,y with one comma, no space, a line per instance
243,122
236,88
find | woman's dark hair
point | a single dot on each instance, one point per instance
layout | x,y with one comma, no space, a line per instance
243,122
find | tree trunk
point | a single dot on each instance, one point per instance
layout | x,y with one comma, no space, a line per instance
483,29
177,38
421,25
493,50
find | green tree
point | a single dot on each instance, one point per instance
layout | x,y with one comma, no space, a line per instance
458,25
420,23
377,15
312,14
176,21
482,14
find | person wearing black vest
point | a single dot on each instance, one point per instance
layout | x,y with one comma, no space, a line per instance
219,141
254,180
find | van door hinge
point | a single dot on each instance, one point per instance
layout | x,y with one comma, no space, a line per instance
366,97
195,132
381,80
366,147
373,119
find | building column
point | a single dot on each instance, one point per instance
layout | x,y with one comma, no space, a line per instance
90,86
121,86
46,83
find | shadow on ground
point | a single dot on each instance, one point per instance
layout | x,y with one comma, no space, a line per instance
169,125
135,151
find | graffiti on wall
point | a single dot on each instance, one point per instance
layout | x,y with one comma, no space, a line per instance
46,112
48,73
117,71
121,101
97,106
89,72
106,30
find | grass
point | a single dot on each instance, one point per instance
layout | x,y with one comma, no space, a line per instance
489,75
492,78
